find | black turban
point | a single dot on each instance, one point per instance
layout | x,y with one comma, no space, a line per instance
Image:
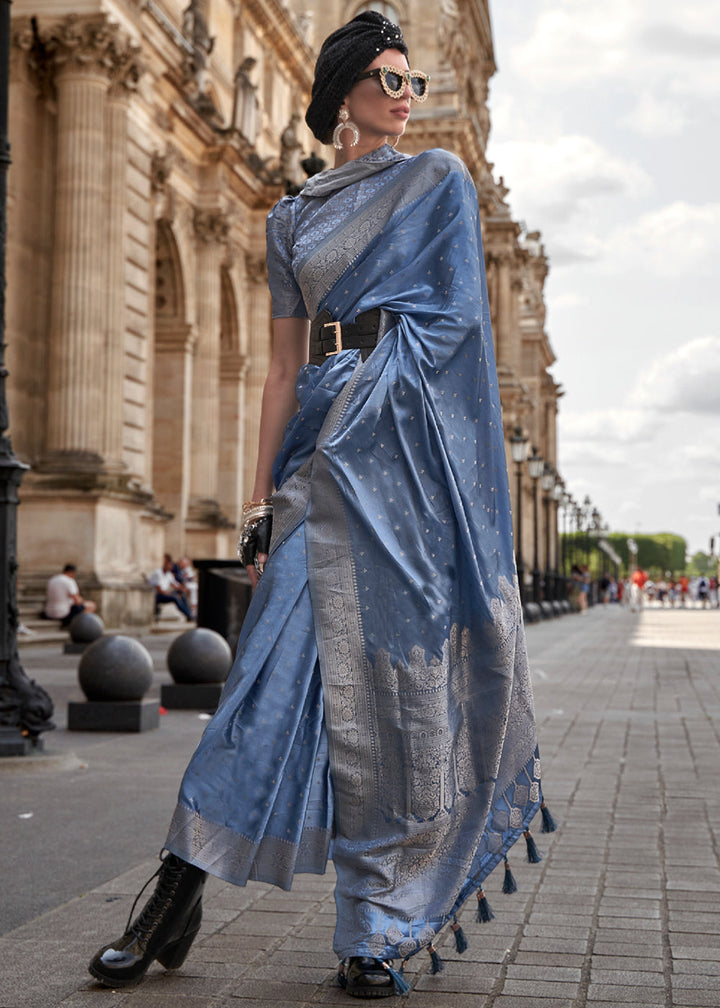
345,54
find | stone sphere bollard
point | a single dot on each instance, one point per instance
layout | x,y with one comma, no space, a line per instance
199,656
116,668
85,628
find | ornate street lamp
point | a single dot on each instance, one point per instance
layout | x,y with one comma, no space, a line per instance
587,516
519,451
577,514
547,481
558,496
536,464
567,506
25,708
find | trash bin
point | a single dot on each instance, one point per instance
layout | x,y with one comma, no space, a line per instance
224,593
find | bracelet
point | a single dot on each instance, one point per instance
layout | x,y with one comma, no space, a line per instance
249,505
256,513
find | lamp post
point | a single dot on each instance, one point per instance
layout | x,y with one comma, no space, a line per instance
567,505
519,451
536,464
558,493
547,482
21,720
577,548
587,512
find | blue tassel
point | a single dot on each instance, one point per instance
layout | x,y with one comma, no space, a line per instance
548,823
401,987
460,939
533,854
436,963
509,883
484,910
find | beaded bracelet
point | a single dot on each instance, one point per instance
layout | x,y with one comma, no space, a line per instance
249,505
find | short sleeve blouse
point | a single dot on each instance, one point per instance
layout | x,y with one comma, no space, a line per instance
287,299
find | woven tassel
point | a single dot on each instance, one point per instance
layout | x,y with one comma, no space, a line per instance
533,854
484,910
401,987
548,823
436,963
509,883
460,939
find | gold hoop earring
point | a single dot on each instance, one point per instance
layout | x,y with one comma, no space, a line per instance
345,123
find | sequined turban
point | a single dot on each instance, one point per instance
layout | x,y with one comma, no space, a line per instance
345,54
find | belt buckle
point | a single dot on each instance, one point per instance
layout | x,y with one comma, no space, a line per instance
335,326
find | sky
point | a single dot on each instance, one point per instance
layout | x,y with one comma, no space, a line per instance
606,129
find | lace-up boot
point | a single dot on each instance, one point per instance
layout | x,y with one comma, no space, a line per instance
164,930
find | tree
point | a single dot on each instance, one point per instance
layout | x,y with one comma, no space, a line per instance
701,564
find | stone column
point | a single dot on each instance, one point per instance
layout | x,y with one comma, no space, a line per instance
211,229
259,352
79,297
125,74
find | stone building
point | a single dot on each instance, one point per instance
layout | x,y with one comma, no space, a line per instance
149,140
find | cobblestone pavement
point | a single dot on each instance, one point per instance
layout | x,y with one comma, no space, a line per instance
623,909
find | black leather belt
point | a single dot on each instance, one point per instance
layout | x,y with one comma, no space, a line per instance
328,337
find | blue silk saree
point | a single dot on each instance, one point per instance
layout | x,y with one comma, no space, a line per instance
379,711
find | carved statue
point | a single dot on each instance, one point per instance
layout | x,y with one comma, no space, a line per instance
290,156
245,102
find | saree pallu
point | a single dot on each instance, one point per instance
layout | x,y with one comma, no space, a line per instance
379,711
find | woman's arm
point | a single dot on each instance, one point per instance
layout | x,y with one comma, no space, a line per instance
290,343
289,352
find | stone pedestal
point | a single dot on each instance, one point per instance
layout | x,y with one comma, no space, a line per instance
191,696
113,715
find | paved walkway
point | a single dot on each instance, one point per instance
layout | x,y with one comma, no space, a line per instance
623,909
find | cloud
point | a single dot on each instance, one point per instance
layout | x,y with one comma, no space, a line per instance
566,181
617,426
654,116
678,238
685,381
664,53
678,42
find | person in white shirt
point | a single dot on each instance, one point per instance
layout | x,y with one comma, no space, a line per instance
63,600
168,589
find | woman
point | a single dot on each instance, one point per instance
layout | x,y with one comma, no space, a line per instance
379,711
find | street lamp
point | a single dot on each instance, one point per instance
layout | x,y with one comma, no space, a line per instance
567,506
547,482
577,514
25,708
558,495
519,451
536,465
587,513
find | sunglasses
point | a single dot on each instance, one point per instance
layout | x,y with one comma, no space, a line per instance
393,81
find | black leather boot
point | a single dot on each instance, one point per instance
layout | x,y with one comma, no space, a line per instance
164,930
368,978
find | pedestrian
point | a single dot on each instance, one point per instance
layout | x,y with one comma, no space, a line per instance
168,588
63,600
638,580
379,711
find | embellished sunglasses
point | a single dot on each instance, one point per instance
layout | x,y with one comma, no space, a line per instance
393,81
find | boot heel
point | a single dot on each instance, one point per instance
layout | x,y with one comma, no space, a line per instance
175,954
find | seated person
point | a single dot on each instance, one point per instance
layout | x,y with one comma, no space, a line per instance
63,600
186,575
168,589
